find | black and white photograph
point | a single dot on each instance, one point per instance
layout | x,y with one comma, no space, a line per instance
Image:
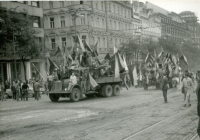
100,70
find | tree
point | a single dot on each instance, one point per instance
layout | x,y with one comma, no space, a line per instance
18,36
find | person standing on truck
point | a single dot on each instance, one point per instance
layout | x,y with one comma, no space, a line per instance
73,81
187,86
165,86
83,80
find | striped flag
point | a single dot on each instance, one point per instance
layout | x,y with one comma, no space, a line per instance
81,44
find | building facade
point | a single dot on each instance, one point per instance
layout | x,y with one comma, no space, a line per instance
173,26
151,22
107,22
7,70
191,20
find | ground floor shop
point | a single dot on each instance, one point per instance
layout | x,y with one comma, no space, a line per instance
33,69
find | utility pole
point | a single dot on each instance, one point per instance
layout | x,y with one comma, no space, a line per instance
15,68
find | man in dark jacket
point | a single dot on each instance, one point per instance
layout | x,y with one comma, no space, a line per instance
37,87
25,90
165,86
198,96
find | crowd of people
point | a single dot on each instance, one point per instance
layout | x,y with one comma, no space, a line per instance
21,89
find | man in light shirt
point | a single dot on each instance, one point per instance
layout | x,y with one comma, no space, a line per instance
188,87
73,81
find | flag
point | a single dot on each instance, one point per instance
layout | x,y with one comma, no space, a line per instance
149,58
94,52
37,71
160,55
121,62
52,66
92,82
107,56
126,67
116,67
155,54
183,59
68,55
115,50
170,70
174,60
81,44
135,78
87,46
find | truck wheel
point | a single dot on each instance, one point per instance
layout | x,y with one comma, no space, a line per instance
75,95
116,90
54,97
107,91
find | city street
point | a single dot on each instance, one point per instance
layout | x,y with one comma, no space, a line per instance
134,115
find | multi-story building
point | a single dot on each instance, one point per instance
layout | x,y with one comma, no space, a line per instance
191,20
172,24
151,22
7,70
108,22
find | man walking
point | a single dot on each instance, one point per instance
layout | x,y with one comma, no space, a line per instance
187,86
165,86
198,99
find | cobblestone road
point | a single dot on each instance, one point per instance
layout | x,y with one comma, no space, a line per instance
135,114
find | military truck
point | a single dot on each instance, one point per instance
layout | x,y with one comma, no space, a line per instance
107,86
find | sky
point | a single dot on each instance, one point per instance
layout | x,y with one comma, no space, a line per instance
178,6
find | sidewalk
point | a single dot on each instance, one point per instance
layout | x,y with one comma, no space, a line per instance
13,104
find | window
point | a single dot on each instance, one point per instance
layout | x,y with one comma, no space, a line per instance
104,42
102,5
63,43
52,22
114,24
83,19
62,21
122,12
36,21
109,8
83,38
103,23
96,5
33,3
110,24
115,42
114,8
73,21
51,4
61,3
81,2
125,13
53,43
111,41
97,22
118,9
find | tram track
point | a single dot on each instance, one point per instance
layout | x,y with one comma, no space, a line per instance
134,135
